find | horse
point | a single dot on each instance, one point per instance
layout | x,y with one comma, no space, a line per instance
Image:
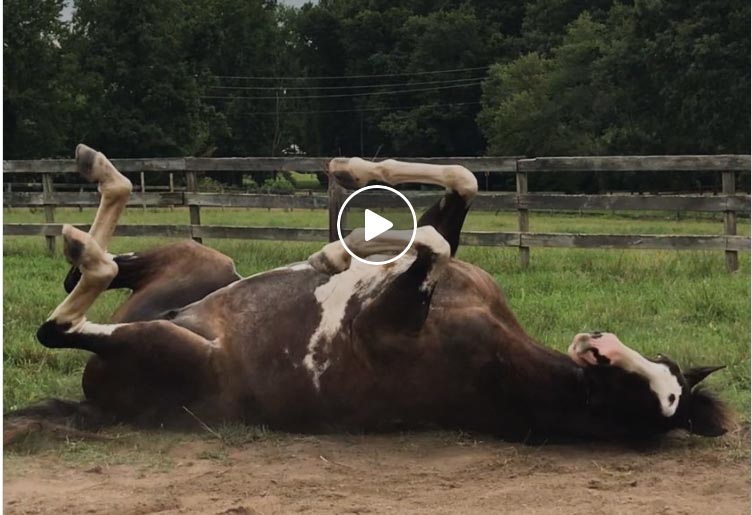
334,344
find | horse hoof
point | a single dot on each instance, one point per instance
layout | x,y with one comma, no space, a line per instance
74,243
338,169
86,158
95,167
82,250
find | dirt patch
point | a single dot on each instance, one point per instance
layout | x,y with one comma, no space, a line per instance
412,473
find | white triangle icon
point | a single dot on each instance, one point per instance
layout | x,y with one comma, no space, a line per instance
375,225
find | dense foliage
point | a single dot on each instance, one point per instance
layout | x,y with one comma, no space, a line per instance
420,77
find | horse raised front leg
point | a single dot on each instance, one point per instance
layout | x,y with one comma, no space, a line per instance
402,307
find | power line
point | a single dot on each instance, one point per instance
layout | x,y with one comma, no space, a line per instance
341,77
373,93
369,109
359,86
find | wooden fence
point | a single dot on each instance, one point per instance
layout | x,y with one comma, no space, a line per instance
729,202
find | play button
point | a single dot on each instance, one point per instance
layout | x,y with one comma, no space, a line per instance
375,225
386,217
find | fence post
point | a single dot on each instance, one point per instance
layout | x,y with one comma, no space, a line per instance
523,221
336,199
728,180
172,187
191,183
49,210
143,190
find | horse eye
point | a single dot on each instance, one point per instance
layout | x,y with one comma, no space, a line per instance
671,399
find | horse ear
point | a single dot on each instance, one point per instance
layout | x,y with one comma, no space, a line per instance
695,375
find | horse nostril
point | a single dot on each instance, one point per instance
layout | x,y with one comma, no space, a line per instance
671,399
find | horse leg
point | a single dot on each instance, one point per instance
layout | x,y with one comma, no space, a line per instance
410,291
333,258
165,279
142,367
161,279
446,216
114,188
402,307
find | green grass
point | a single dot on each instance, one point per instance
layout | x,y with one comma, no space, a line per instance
657,223
682,304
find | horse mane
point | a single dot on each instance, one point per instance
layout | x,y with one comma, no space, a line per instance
709,415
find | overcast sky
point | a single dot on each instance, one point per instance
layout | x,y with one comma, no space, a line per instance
68,7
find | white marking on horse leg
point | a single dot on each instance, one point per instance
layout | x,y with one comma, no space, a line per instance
331,259
453,177
98,269
302,265
394,241
114,187
389,242
86,327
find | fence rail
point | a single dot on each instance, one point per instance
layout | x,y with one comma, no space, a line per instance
729,202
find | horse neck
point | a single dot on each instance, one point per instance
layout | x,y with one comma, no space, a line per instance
548,387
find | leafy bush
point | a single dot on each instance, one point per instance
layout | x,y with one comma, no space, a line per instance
207,184
278,186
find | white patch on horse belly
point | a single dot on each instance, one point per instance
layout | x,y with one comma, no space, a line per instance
333,296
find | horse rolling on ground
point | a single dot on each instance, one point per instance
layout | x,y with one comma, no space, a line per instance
334,344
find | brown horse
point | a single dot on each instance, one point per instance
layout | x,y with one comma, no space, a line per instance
332,343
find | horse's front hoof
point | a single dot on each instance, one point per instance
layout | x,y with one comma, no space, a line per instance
338,169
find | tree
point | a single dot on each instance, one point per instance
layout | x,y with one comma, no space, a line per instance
140,91
649,78
37,93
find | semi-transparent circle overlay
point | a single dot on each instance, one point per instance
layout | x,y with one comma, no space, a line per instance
390,190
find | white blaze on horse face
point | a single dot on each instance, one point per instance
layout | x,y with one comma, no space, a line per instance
333,296
663,383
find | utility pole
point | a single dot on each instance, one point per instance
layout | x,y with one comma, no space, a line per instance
276,125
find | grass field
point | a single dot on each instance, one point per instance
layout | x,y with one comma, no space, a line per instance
682,304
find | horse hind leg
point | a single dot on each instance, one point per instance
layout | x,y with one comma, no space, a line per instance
165,278
114,188
98,270
87,251
140,368
448,214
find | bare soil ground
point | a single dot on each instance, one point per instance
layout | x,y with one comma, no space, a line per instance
435,472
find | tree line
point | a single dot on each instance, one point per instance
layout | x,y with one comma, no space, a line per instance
373,77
